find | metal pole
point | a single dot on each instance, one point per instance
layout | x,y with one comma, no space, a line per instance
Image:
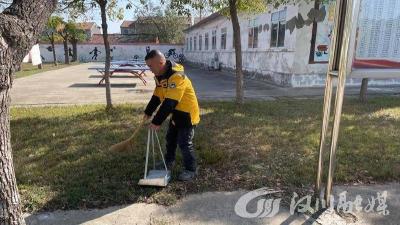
349,8
147,153
325,124
328,97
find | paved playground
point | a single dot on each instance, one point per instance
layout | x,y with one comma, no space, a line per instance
79,85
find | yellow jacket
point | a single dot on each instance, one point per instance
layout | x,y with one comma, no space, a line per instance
175,93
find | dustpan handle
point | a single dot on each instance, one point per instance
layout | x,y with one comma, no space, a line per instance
152,148
147,153
162,156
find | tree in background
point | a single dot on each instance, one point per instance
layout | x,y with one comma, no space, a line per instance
230,8
167,25
107,8
21,24
202,8
173,26
59,31
62,32
51,34
75,35
68,31
363,90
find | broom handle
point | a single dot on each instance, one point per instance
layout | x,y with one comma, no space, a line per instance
137,130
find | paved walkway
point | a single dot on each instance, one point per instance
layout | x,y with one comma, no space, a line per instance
78,85
217,208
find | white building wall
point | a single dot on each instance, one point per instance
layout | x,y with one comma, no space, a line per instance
274,63
305,73
286,66
119,52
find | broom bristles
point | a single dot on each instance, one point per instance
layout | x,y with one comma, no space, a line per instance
122,146
127,144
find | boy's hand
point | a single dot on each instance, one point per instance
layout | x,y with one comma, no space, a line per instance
154,127
146,117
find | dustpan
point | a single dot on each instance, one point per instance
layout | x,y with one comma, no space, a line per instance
154,177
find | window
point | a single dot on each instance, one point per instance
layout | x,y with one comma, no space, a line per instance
190,43
253,37
223,38
195,43
187,44
214,39
278,28
200,42
206,41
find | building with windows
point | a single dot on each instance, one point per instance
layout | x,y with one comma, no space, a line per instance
287,46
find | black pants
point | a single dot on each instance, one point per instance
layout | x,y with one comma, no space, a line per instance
184,138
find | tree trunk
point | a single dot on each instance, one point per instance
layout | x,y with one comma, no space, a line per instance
66,56
20,26
363,90
10,210
74,50
238,51
108,53
54,50
201,13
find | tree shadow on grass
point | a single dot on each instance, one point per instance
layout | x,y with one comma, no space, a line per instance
62,163
276,143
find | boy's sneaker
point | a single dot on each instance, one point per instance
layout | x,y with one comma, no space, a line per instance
187,175
160,165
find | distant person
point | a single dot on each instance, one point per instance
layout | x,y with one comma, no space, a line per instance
147,50
70,52
95,53
111,53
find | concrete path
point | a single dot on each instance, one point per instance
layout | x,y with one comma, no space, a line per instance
217,208
78,85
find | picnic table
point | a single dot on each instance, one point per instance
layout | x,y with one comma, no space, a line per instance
137,70
128,63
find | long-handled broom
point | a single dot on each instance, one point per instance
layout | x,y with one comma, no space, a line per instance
127,144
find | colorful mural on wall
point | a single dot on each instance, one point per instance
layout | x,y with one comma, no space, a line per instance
96,52
324,31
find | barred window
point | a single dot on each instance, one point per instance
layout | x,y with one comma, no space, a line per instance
278,28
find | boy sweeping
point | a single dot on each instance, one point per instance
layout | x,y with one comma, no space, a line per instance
175,93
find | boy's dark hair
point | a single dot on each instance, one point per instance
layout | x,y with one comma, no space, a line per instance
152,54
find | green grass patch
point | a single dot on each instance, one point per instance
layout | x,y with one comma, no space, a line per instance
62,162
27,69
